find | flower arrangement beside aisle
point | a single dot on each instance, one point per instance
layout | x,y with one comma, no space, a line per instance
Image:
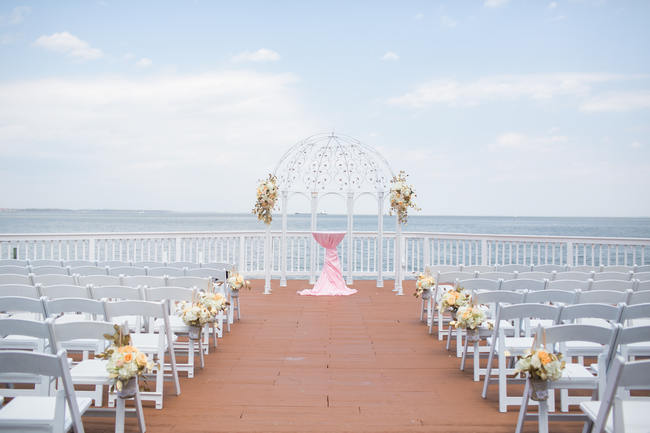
402,196
540,366
470,318
236,282
267,195
452,300
423,286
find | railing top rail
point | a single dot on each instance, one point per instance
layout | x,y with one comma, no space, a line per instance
4,237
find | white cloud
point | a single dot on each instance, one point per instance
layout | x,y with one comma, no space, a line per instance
261,55
390,56
552,5
6,39
188,142
143,62
18,14
69,45
637,145
618,101
448,22
494,3
418,16
502,87
515,141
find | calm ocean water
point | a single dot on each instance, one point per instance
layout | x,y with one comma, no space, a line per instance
63,221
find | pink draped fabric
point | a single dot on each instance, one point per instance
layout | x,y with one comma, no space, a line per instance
330,282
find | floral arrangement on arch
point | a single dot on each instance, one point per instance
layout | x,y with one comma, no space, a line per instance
236,281
402,197
470,317
425,282
452,300
124,361
267,195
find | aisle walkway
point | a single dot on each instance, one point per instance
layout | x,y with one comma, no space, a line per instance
335,364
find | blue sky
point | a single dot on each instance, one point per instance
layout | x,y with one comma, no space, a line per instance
493,107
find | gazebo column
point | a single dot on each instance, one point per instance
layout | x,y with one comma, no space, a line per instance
313,261
398,258
283,241
379,256
350,206
268,260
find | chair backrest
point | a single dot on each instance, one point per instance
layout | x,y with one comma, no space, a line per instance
116,292
114,263
633,334
638,311
99,280
80,263
64,291
531,285
480,284
451,277
642,286
190,282
127,271
45,262
19,304
181,265
530,311
13,269
643,268
585,268
514,268
603,297
642,297
14,262
168,271
142,280
218,274
25,328
50,270
497,275
89,270
51,280
473,268
45,364
577,332
82,329
549,268
551,296
23,290
634,374
617,268
15,279
573,275
54,307
501,297
642,276
169,292
617,285
151,309
610,313
536,275
623,276
571,285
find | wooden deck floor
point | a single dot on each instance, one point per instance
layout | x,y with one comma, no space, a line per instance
361,363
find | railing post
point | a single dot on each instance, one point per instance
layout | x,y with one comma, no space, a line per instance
350,206
398,259
313,250
426,257
484,252
569,254
379,263
283,240
177,251
267,260
91,249
241,266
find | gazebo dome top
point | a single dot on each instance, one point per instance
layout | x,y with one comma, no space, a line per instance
333,163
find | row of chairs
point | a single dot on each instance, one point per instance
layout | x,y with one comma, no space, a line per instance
539,268
107,280
113,263
115,271
535,275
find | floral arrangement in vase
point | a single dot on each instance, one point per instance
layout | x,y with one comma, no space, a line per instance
541,366
267,195
470,317
452,300
236,281
423,285
213,302
195,314
402,197
124,362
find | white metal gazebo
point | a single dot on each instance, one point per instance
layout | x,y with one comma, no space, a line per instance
332,164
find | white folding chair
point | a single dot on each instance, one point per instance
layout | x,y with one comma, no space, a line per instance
45,262
114,263
473,268
99,280
143,281
603,297
570,285
642,286
50,270
617,268
643,268
619,276
505,347
613,414
13,269
56,414
64,291
444,281
521,285
636,315
54,279
514,268
166,272
497,275
115,293
549,268
16,279
585,268
639,298
212,273
536,275
642,276
93,371
78,263
156,342
181,265
127,271
206,285
557,297
574,275
14,262
89,270
574,376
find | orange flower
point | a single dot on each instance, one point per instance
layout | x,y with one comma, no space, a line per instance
544,357
128,357
141,359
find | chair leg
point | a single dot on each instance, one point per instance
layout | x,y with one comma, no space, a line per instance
119,415
201,353
523,409
542,416
503,383
477,362
448,336
172,360
488,368
462,360
138,410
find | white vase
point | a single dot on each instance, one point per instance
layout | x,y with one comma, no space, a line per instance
539,389
195,332
234,293
473,335
129,389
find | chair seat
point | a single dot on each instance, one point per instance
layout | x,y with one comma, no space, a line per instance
574,348
642,348
518,344
24,411
175,323
147,343
80,344
635,414
21,342
90,371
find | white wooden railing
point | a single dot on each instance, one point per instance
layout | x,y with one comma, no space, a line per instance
246,250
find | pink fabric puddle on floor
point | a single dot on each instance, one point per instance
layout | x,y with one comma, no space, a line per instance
330,282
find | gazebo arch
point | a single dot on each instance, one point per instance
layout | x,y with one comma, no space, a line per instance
337,164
